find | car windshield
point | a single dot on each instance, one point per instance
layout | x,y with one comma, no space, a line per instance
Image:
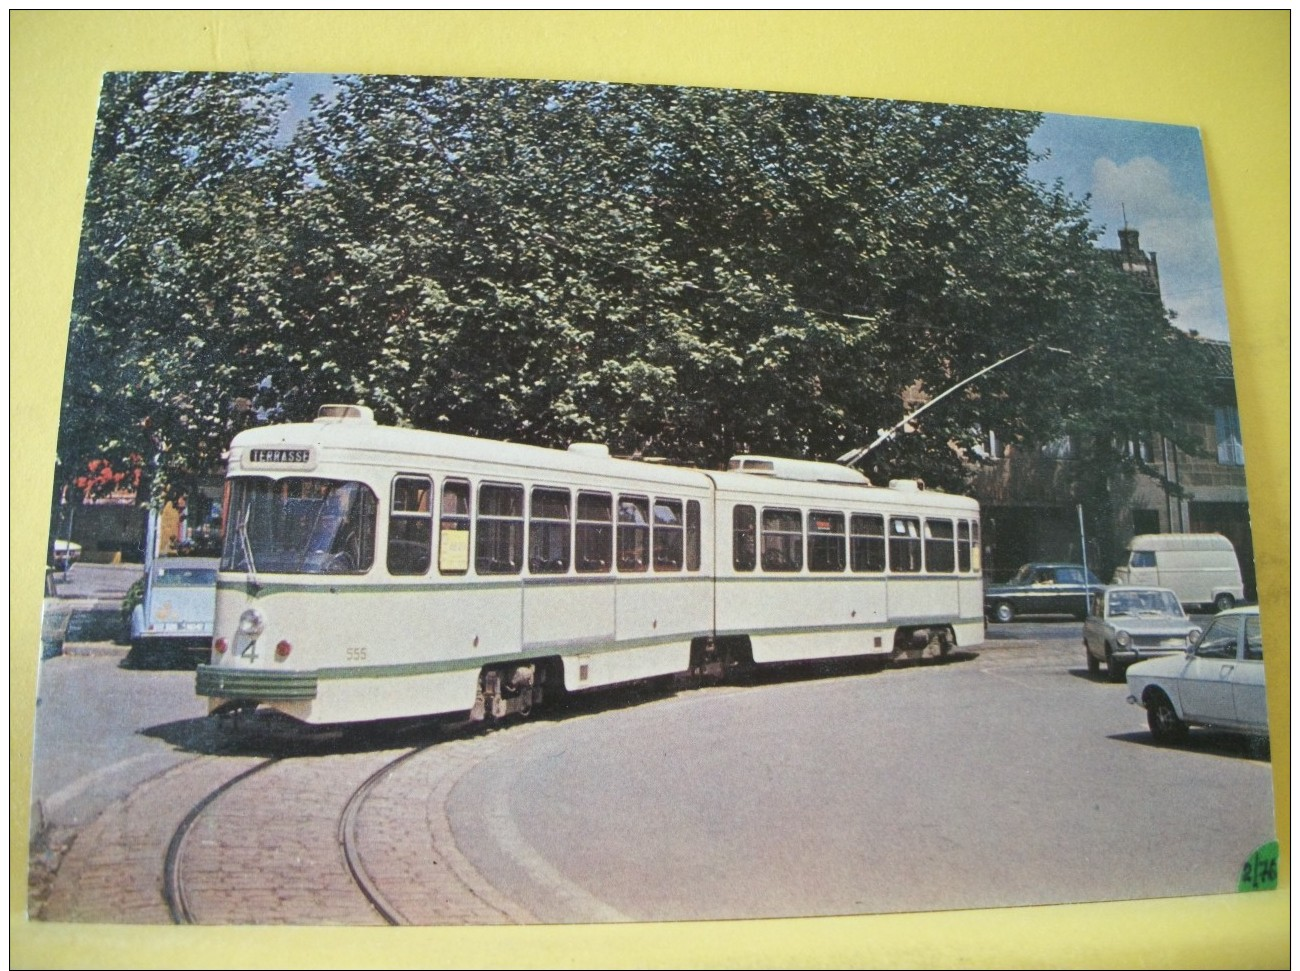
298,525
1144,603
185,576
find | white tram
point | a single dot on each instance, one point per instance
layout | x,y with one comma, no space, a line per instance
373,572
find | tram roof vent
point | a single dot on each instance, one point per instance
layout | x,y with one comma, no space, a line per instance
907,485
797,469
592,450
332,413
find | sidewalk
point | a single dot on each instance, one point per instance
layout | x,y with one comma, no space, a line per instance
84,614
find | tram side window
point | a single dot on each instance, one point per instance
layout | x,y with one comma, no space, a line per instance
410,526
826,542
595,533
782,540
453,530
668,534
744,539
633,534
867,543
500,525
692,535
939,549
968,547
548,531
904,545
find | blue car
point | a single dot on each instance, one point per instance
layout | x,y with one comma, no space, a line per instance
1042,588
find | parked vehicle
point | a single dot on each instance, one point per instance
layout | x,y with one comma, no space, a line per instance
175,614
66,553
1217,683
1201,568
1130,624
1043,588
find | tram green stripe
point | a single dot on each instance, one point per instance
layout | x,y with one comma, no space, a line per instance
301,685
862,627
443,585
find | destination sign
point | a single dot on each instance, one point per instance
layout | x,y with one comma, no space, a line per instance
280,456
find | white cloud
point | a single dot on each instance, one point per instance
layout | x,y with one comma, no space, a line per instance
1177,226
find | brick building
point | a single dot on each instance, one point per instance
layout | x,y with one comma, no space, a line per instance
1028,501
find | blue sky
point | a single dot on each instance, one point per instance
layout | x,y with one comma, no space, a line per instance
1156,175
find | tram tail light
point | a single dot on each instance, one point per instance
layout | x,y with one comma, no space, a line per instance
220,646
283,650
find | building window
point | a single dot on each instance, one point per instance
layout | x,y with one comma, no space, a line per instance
1062,448
1227,433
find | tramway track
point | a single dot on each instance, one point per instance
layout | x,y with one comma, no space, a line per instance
174,894
278,843
349,824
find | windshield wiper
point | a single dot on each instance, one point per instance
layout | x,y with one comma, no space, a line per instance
247,547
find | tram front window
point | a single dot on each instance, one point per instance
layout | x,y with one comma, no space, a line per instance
299,525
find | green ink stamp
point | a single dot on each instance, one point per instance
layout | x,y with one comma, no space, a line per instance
1259,872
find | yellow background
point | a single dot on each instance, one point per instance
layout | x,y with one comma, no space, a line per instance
1227,73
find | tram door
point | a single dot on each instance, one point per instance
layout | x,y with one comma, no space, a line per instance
569,591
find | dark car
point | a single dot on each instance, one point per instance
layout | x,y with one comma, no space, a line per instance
1042,588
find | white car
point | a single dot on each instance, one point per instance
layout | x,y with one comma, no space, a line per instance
1218,683
1128,624
176,610
66,553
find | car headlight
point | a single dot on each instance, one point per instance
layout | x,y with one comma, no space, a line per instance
251,623
1194,636
1123,638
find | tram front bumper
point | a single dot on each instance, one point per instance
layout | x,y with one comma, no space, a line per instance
238,684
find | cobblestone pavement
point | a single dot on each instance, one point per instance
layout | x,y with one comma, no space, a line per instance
269,849
112,871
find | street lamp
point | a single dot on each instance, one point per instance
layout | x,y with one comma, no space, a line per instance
851,459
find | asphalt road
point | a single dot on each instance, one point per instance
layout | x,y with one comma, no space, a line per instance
1004,777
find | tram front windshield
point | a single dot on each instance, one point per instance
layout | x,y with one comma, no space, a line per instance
298,525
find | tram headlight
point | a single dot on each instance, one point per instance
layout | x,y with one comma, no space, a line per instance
251,623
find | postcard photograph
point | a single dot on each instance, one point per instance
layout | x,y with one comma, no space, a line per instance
488,501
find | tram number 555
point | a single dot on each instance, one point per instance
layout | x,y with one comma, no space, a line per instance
356,653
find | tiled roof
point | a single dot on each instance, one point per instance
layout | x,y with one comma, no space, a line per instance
1220,353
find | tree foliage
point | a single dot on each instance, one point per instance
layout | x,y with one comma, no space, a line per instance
680,272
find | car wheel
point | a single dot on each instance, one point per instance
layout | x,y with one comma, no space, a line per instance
1224,601
1094,666
1114,669
1003,613
1166,726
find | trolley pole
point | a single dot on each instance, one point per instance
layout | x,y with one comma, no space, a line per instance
851,459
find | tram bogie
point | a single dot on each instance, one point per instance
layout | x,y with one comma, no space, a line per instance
372,572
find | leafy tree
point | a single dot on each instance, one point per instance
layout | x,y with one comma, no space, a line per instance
681,272
178,244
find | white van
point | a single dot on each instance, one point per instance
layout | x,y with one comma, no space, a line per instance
1201,568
